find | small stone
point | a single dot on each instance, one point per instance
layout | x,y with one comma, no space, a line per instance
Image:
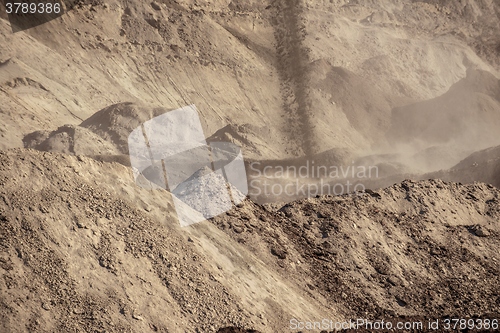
382,268
401,302
393,280
81,225
481,231
281,254
137,317
155,5
373,193
435,252
77,311
238,229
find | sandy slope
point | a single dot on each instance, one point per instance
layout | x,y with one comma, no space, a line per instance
83,248
408,86
483,166
92,251
424,249
327,73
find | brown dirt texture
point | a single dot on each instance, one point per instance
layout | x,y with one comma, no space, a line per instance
410,89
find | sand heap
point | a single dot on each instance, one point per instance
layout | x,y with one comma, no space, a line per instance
84,248
419,249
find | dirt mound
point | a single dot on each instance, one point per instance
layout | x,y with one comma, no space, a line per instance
68,139
208,193
426,249
245,63
490,155
250,137
364,104
382,254
84,248
481,37
436,134
482,166
468,114
106,133
103,136
115,122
